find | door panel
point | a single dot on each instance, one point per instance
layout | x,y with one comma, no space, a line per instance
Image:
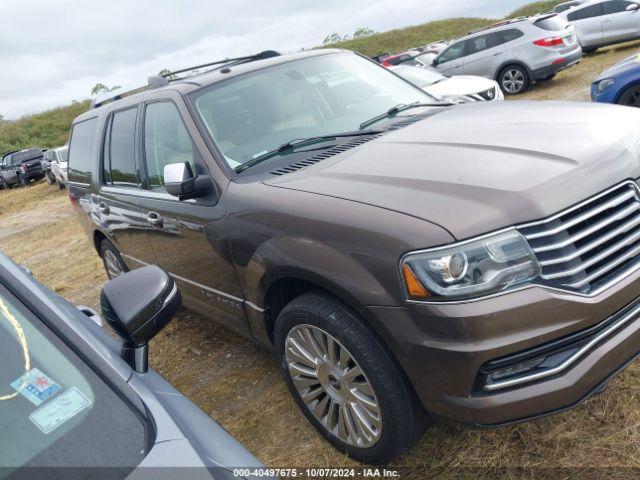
482,55
189,238
451,61
617,23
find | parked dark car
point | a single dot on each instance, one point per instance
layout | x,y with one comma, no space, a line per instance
477,262
22,167
77,403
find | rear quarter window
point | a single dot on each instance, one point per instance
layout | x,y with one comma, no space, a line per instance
81,151
552,24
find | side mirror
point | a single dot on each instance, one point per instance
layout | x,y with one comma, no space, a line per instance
138,305
180,181
634,7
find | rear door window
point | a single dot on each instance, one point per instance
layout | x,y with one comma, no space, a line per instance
480,44
119,160
615,6
166,141
81,150
586,12
506,36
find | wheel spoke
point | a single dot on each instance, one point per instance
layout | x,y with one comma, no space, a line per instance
333,386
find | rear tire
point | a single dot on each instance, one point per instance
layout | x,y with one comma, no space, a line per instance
588,50
374,415
112,260
514,80
60,185
24,182
50,178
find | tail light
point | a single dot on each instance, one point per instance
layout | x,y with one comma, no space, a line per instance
549,42
23,167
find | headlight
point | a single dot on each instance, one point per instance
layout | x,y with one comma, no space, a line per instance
469,269
605,84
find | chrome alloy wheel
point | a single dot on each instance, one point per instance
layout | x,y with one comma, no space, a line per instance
333,386
112,264
513,80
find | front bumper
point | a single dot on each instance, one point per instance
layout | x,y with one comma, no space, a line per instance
443,349
557,66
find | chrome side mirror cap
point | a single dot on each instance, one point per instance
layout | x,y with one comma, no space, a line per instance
180,181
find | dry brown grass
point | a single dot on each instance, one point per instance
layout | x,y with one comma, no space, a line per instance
238,383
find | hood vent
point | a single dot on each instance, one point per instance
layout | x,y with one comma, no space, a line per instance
323,155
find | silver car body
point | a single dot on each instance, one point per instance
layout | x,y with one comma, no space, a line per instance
605,22
488,51
59,165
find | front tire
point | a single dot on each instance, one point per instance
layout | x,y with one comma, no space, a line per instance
344,380
630,97
514,80
112,260
50,178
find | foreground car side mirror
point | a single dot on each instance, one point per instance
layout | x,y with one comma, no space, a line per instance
180,181
138,305
634,7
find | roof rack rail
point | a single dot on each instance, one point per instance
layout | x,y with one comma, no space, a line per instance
159,81
219,64
498,24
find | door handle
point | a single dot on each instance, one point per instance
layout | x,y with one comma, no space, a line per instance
607,20
497,53
154,219
104,208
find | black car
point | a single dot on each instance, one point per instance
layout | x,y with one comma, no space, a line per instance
22,167
75,402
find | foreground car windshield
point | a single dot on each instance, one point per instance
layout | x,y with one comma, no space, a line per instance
328,94
54,410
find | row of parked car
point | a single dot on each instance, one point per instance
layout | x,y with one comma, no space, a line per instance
517,53
21,167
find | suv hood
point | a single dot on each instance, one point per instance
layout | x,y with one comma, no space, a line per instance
480,167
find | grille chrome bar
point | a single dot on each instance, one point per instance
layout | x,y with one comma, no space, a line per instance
594,242
585,216
590,230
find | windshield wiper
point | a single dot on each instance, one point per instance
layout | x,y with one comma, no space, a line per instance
393,111
296,143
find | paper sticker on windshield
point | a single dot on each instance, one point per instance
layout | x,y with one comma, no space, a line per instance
39,387
62,408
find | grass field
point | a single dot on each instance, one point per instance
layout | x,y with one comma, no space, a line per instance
238,384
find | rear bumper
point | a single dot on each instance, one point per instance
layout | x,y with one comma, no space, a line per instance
443,349
558,65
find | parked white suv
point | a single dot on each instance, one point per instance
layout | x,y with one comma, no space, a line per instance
460,89
604,22
516,53
58,158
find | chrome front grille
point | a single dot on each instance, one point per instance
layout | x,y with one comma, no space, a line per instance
591,244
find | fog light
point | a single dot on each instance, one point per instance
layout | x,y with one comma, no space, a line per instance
514,370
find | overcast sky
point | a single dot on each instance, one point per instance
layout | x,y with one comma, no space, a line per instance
53,52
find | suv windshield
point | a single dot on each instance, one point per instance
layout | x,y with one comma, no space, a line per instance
54,410
323,95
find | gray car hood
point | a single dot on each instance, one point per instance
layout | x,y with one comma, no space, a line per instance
480,167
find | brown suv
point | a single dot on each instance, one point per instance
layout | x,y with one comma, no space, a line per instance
476,262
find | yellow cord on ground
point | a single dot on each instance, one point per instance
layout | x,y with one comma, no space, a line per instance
25,349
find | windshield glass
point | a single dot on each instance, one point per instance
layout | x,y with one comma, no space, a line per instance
419,76
63,154
54,410
256,113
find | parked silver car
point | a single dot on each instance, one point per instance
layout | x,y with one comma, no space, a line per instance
604,22
58,158
516,53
